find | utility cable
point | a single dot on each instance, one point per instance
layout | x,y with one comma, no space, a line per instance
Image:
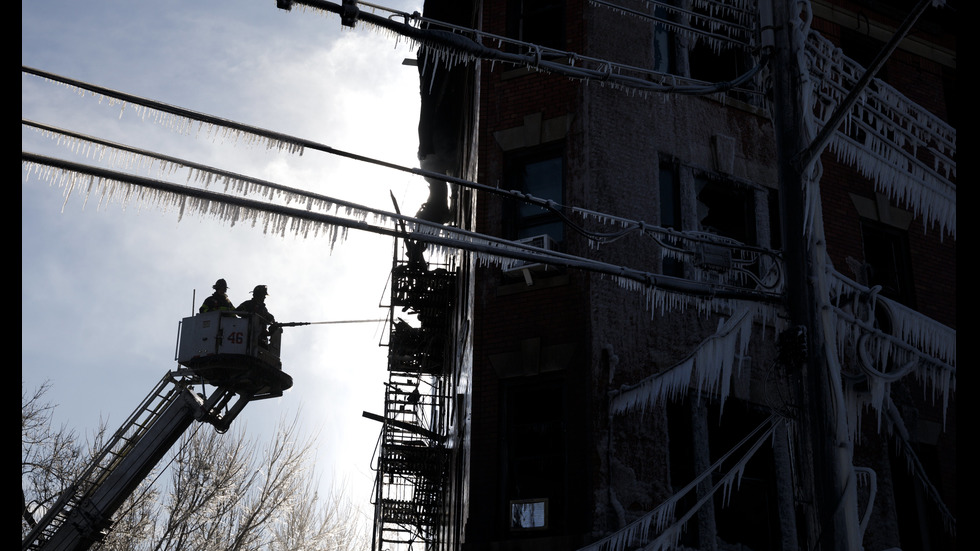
228,176
278,216
713,21
241,178
458,43
813,150
283,141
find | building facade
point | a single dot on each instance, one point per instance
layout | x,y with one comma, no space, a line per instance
626,366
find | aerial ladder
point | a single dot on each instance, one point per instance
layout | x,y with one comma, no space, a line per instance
229,352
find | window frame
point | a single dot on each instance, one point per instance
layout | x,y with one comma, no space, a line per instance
520,219
896,239
525,16
720,186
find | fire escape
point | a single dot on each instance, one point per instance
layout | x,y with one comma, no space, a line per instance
412,461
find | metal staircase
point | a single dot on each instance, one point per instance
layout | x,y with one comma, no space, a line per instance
412,464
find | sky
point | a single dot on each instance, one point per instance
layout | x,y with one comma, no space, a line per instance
104,286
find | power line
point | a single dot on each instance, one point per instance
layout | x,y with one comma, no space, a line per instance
283,141
278,217
713,22
230,178
464,44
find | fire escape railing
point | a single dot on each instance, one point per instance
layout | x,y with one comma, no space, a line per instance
412,462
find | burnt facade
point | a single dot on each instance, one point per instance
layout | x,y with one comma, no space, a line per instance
668,404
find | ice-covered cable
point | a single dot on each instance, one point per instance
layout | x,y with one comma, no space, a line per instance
125,156
906,151
709,368
720,24
454,45
180,118
112,186
637,532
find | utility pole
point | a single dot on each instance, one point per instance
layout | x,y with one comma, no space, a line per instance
822,508
826,501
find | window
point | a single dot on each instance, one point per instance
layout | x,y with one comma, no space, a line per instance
540,22
670,197
663,42
727,209
541,174
670,213
534,456
722,50
863,49
886,251
750,515
775,221
710,66
529,514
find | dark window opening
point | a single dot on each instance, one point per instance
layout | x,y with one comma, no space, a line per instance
727,209
862,49
534,452
751,514
713,67
663,43
682,466
775,221
540,174
670,213
720,60
886,251
540,22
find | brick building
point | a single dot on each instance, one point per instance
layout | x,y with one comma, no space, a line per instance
632,377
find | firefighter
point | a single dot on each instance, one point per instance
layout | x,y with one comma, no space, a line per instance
219,300
256,305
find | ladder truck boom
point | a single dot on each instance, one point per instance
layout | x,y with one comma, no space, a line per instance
217,349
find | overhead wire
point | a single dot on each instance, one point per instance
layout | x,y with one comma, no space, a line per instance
233,177
678,10
279,216
228,177
236,177
294,144
464,44
427,36
181,119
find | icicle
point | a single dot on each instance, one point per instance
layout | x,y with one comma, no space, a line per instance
894,122
638,530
